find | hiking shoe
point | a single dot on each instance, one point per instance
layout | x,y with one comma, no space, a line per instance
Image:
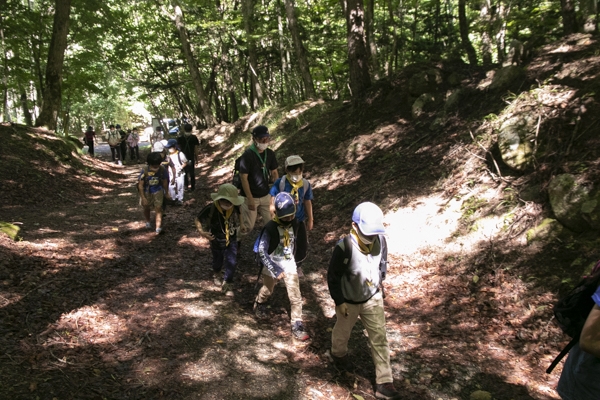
298,331
158,231
260,310
227,288
300,272
217,279
386,391
148,225
341,363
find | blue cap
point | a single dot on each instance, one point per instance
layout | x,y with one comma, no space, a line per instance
369,219
171,143
284,205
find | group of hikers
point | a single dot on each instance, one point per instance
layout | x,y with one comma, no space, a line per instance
119,141
358,264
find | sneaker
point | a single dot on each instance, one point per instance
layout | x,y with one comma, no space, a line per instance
119,162
148,225
298,331
158,231
260,310
217,279
300,272
386,391
227,288
178,203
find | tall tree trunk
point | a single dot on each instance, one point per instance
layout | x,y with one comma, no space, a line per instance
56,56
229,84
5,111
390,63
282,52
194,71
589,10
370,35
257,94
300,50
358,61
25,107
567,8
464,33
486,40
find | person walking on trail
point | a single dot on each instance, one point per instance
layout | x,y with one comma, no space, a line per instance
189,144
300,189
153,187
157,135
177,161
219,222
133,140
258,168
355,279
89,139
123,142
114,142
275,248
579,377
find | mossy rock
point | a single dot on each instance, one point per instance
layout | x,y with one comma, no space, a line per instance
10,230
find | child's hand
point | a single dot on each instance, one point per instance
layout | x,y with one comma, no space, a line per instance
281,276
309,224
208,235
144,201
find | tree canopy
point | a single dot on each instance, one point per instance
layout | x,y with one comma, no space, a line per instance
214,61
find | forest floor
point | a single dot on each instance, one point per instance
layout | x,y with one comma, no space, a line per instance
95,306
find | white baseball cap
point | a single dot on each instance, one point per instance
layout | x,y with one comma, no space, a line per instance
369,219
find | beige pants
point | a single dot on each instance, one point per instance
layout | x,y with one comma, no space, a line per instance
372,316
292,284
263,205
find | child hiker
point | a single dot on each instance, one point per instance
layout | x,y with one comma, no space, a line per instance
301,191
219,222
178,162
153,186
275,247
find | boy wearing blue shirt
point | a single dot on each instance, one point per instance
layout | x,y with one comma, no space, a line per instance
153,184
301,191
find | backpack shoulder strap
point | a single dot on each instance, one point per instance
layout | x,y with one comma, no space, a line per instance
347,244
282,183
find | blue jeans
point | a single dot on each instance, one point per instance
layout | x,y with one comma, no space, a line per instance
225,258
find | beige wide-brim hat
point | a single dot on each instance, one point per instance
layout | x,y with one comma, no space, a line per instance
228,192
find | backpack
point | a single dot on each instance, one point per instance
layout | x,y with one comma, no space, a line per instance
572,310
236,180
160,172
282,185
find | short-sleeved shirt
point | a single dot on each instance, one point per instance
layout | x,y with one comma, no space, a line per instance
188,145
251,164
579,378
300,209
216,224
89,135
153,180
177,160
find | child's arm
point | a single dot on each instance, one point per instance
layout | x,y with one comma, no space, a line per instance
142,193
165,185
207,235
309,214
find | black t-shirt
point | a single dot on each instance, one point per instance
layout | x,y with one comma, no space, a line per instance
216,225
251,164
187,145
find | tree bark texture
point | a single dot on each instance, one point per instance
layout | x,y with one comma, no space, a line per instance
194,71
52,93
300,50
463,25
567,8
358,59
257,94
370,35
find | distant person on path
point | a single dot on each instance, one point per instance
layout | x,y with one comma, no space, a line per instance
159,147
579,378
133,141
157,135
258,168
219,222
177,161
275,248
114,139
123,142
189,144
89,139
301,191
153,187
355,278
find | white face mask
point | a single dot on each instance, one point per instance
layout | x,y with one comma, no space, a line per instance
187,133
296,178
262,146
363,238
172,150
225,207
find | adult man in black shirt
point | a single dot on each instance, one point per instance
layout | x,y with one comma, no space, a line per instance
189,144
258,169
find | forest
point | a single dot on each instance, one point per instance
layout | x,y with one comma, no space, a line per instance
471,124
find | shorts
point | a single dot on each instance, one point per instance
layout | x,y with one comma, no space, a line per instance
155,200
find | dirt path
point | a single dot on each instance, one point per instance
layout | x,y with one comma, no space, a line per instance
96,306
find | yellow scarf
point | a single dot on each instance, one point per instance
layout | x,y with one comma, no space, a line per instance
364,248
226,215
286,233
295,188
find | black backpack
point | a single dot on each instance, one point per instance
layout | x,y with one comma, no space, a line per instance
572,311
236,180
